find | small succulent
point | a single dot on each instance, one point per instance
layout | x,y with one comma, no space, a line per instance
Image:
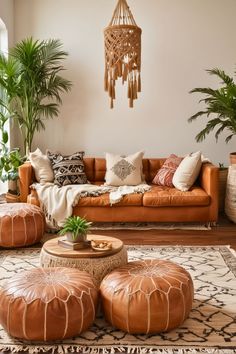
76,226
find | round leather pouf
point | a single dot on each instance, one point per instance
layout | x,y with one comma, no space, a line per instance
48,304
21,224
148,296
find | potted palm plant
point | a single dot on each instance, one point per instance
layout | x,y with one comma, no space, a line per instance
76,229
10,159
220,108
30,76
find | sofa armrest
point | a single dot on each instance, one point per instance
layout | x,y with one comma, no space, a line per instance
209,181
26,175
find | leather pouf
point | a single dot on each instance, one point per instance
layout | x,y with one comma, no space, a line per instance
21,224
48,304
148,296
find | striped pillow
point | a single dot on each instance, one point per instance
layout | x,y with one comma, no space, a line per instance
165,175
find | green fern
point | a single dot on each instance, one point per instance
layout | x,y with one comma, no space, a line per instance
221,103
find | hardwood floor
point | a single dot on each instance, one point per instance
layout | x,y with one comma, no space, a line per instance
222,234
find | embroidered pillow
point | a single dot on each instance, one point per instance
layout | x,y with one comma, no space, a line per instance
124,170
188,171
42,167
68,169
165,175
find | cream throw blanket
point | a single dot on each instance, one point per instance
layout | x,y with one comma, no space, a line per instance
57,203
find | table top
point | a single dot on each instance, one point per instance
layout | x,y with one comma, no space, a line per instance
52,247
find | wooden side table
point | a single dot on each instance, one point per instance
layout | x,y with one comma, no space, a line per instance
96,263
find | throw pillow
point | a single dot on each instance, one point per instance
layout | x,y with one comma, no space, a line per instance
42,167
124,170
187,172
68,169
165,175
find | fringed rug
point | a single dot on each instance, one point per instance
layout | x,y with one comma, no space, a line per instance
142,226
210,328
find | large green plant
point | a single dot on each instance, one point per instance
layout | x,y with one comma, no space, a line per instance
220,105
30,76
10,160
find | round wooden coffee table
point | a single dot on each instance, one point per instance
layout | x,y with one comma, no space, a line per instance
96,263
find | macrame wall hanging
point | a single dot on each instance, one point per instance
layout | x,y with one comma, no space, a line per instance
123,52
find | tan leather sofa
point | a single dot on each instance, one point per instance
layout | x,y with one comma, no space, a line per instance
160,204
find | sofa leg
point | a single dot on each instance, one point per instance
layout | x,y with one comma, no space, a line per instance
211,224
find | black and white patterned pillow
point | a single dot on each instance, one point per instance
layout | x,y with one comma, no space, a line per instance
67,169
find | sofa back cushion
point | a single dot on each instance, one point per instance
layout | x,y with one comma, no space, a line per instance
95,168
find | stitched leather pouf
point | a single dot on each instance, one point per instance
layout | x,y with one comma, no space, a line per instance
148,296
48,304
21,224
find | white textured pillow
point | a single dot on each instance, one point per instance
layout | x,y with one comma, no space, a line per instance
42,166
188,171
124,171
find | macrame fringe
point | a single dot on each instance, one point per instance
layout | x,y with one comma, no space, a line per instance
122,53
64,349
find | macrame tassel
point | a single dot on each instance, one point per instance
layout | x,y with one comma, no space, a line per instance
135,88
113,89
139,82
125,73
119,68
129,90
106,80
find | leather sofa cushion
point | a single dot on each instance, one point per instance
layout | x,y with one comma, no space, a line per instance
134,199
160,196
89,163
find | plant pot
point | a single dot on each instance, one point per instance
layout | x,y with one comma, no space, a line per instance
12,186
223,173
12,198
80,238
232,158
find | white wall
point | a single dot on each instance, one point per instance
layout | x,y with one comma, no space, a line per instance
7,16
180,39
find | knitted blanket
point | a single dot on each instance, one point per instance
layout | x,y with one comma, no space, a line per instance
57,203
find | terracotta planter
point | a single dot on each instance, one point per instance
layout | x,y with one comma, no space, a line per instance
232,158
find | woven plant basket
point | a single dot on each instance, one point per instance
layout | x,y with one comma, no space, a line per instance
122,53
230,199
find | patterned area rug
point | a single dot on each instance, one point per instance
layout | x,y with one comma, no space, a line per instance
211,327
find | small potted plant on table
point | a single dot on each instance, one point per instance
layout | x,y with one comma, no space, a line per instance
76,228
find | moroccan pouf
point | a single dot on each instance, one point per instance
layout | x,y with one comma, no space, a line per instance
148,296
48,304
21,224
